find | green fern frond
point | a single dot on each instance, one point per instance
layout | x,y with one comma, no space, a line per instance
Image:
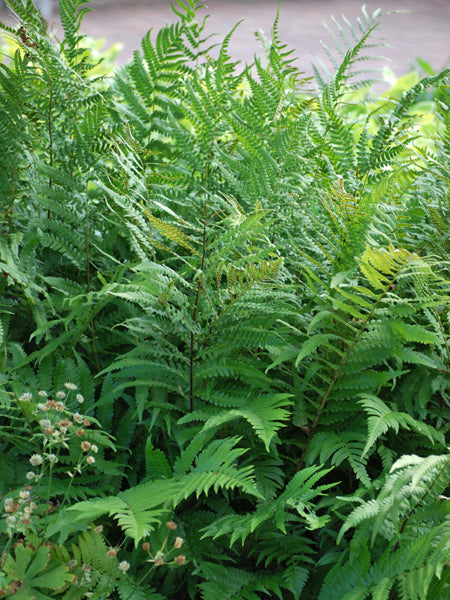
264,413
297,495
135,513
213,468
382,266
340,447
382,418
171,232
127,589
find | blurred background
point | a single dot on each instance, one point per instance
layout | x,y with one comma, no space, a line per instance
414,29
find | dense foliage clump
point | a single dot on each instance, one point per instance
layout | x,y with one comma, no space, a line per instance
224,322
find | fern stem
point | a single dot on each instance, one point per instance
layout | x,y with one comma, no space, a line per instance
94,345
50,127
335,377
444,337
88,282
194,318
13,193
413,509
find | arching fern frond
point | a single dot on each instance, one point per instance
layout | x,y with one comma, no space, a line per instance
213,468
381,418
297,496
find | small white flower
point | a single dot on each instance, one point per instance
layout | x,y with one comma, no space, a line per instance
8,505
59,407
94,448
36,460
80,398
70,386
45,423
42,394
52,458
25,397
78,418
11,519
124,566
90,460
24,494
30,475
42,407
60,395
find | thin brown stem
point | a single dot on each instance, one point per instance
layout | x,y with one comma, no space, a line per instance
335,377
50,133
88,282
13,194
194,318
50,127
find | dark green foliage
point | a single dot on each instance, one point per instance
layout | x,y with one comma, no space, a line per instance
248,282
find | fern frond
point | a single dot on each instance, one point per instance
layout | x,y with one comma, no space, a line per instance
297,495
381,418
264,413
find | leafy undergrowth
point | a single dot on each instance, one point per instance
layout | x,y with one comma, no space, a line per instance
224,322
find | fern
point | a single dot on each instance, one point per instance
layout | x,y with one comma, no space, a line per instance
297,495
248,282
212,469
416,556
383,418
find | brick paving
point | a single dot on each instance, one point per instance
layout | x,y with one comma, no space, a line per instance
423,31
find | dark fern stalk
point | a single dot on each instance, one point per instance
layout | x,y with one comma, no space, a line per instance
50,130
337,373
194,318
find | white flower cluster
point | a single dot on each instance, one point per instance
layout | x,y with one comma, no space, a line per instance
19,510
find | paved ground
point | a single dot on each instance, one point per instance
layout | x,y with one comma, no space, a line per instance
423,31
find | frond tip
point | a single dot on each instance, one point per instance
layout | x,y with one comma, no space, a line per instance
381,266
